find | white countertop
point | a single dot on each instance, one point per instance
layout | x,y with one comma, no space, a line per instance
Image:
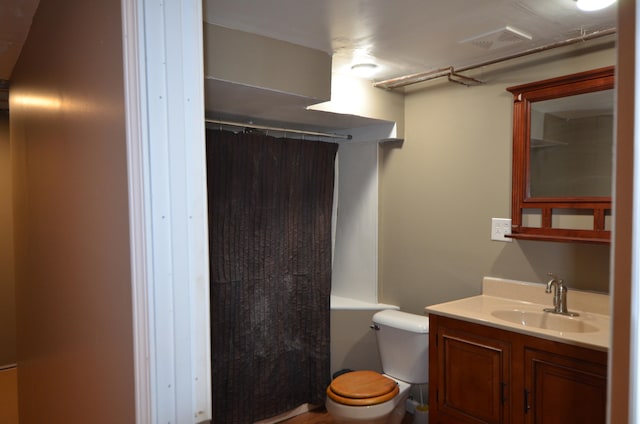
505,295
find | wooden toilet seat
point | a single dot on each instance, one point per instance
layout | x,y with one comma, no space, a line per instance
362,388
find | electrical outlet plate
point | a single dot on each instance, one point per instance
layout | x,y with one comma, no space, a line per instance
500,227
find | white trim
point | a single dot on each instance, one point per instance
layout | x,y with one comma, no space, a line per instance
346,304
199,225
168,211
135,111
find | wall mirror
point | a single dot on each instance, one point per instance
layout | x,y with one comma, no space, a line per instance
563,158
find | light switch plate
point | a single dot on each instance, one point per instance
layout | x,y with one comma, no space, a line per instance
500,227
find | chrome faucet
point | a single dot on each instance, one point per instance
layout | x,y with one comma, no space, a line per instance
559,296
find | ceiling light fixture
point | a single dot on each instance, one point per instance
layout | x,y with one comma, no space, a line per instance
364,70
592,5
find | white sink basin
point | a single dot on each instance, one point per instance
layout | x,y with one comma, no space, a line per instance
545,320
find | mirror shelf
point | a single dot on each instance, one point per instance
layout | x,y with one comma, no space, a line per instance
563,158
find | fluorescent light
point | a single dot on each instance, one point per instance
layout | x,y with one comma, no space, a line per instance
364,70
592,5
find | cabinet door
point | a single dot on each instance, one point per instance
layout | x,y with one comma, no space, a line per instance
472,380
560,389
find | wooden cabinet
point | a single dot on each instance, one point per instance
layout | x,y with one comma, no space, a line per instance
481,374
474,371
563,389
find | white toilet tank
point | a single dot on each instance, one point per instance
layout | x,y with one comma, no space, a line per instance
403,342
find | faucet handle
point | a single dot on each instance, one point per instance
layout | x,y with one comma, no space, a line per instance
554,279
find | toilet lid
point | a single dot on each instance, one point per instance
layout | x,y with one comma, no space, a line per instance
361,388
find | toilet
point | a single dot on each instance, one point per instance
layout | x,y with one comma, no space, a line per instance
374,398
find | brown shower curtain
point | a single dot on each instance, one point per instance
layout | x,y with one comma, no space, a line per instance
270,207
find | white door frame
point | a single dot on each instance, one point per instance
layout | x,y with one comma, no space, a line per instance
164,96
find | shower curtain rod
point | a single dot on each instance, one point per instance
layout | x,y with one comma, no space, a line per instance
406,80
284,130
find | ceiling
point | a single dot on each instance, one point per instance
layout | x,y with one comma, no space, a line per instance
411,36
402,37
15,21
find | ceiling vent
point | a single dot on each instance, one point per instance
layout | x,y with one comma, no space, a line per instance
498,38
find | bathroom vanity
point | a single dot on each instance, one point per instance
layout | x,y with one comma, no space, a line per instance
496,359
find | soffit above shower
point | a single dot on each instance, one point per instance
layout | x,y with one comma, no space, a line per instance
257,79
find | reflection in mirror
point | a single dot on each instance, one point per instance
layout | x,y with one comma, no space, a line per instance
572,146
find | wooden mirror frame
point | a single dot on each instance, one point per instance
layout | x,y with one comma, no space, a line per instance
523,96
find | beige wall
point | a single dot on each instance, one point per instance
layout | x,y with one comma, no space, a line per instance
440,188
7,286
353,342
73,288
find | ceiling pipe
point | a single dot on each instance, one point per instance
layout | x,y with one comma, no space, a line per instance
448,72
